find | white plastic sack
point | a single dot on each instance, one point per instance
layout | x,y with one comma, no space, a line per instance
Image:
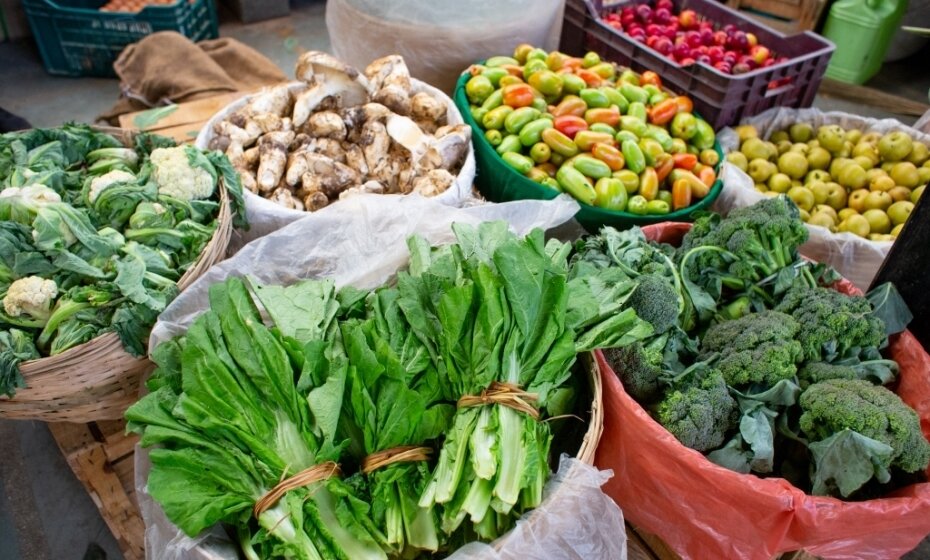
362,242
440,38
855,258
266,216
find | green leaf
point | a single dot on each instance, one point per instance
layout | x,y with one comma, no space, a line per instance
303,311
757,429
733,456
890,307
846,460
149,118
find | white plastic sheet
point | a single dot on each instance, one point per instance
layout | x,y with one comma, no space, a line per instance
855,258
362,242
440,38
265,216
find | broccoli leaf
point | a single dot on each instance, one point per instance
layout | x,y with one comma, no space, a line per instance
733,456
757,428
890,307
847,460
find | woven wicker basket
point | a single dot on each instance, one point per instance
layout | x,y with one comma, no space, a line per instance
98,380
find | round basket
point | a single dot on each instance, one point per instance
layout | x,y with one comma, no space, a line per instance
501,183
98,380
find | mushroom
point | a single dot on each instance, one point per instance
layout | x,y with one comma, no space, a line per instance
433,183
240,162
283,197
368,187
235,134
315,201
452,145
427,111
326,175
355,158
272,158
375,144
389,83
275,100
327,78
329,148
326,124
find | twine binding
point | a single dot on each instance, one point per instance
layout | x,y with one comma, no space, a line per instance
505,394
306,477
402,454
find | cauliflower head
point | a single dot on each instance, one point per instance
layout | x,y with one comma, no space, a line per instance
31,296
36,193
98,184
183,172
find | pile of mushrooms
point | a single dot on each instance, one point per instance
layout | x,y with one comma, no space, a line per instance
340,133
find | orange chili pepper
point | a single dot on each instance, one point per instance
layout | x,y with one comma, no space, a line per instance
609,155
570,105
664,165
513,70
681,194
518,95
685,161
589,77
685,105
707,176
650,77
572,63
609,116
663,112
569,125
548,168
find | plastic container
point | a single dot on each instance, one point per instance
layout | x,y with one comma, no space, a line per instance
499,182
76,39
862,31
723,99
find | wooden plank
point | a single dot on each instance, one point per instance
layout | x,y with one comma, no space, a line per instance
636,548
159,118
182,133
872,97
658,547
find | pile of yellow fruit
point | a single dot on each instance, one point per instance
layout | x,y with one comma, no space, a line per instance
843,180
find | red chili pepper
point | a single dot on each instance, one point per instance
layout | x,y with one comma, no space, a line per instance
663,112
518,95
685,161
650,77
569,125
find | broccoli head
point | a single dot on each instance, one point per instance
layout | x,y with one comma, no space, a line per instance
815,372
656,301
700,413
639,369
873,411
758,348
832,324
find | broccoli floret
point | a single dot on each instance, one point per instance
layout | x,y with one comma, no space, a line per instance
700,413
815,372
655,301
874,411
639,369
832,325
756,349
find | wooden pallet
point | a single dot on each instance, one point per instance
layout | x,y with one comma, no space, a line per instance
788,16
642,545
101,456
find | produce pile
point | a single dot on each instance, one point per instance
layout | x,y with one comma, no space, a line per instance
343,132
469,356
134,6
608,136
688,38
756,363
94,236
865,183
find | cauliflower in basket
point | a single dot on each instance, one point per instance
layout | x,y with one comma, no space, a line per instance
31,296
98,184
183,172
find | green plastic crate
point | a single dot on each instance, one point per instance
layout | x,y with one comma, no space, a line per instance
76,39
499,182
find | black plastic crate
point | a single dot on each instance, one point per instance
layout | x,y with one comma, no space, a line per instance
722,99
76,39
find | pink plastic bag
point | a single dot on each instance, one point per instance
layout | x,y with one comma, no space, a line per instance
706,511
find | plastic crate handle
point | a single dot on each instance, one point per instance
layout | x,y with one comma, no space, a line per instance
770,92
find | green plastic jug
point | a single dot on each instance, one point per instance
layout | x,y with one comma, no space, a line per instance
861,31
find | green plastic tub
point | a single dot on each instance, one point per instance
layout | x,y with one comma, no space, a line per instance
499,182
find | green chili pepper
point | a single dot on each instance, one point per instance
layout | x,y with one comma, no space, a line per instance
616,98
637,205
594,98
537,54
657,207
533,66
572,84
610,194
665,196
657,98
630,77
559,143
495,75
635,160
602,127
638,110
590,59
660,135
625,135
510,143
520,118
628,179
574,183
519,162
704,136
634,93
495,118
633,124
651,150
594,168
540,152
493,137
495,61
532,132
547,82
651,89
493,101
552,184
478,88
478,113
684,126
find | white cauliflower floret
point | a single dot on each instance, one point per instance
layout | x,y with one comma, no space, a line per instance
98,184
37,193
177,178
32,296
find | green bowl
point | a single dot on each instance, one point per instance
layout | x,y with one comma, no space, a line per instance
499,182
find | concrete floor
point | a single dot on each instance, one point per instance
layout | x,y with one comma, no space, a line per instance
44,511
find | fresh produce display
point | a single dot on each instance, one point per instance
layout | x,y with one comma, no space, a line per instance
95,235
313,436
756,363
687,38
606,135
343,132
133,6
865,183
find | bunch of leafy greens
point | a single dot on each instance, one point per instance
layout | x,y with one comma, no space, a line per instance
801,362
343,375
88,244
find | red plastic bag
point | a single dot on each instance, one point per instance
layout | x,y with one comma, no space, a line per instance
705,511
